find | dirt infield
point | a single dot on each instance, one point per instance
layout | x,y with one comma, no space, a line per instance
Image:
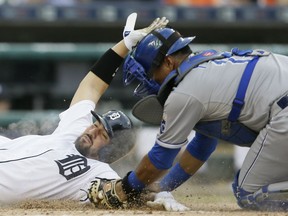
203,199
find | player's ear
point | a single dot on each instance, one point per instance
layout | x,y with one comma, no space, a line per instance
169,63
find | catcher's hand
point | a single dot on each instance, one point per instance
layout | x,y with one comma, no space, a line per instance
132,37
102,194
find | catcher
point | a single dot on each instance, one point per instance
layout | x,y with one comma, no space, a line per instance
240,96
62,165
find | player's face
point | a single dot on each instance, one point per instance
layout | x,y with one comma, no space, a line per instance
92,140
161,72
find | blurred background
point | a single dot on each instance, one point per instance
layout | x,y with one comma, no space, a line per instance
47,46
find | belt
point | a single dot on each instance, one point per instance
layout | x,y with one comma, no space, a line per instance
283,102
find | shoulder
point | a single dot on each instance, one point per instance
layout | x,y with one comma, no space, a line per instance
180,97
78,115
181,108
78,109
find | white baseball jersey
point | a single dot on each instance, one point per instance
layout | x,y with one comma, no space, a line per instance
49,167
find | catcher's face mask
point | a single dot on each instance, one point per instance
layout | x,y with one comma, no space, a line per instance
113,120
148,55
133,70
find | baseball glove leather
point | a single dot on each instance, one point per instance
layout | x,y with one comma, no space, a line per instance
102,194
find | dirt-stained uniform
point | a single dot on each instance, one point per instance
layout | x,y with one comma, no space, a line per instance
49,167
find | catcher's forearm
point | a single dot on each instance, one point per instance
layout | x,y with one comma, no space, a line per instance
152,167
146,167
146,173
181,172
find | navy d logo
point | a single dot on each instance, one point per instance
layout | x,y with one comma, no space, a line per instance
72,166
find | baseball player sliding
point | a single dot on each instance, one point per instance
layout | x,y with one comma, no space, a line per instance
240,96
63,165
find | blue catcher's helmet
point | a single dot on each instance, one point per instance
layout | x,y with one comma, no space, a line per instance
150,53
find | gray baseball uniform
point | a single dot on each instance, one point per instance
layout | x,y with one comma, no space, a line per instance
207,92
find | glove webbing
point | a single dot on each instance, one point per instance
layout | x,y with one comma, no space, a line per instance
112,197
106,189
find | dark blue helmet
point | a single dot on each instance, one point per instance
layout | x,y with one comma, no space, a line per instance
113,120
150,53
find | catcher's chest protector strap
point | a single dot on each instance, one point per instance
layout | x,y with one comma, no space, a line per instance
239,102
194,61
157,102
231,130
175,77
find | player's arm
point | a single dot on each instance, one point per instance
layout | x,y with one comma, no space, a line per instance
115,193
160,159
119,191
194,156
101,74
153,166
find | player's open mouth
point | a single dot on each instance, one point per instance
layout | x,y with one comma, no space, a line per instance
88,138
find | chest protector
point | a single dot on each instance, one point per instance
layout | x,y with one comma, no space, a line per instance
230,129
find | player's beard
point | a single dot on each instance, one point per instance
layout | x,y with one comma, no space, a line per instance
85,149
82,149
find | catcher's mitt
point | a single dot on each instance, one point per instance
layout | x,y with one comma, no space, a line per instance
102,194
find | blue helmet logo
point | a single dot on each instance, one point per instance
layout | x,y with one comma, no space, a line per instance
149,54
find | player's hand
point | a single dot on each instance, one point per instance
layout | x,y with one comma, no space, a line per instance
102,194
132,37
165,200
